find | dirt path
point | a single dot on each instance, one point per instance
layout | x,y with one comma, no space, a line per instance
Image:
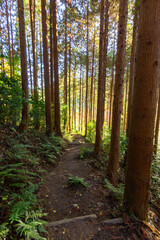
62,201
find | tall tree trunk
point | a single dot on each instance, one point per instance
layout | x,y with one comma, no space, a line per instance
25,114
132,67
70,83
80,95
12,39
87,66
111,90
113,163
57,126
32,20
9,42
140,148
65,67
92,76
157,127
30,68
99,100
105,45
49,127
125,103
51,51
41,63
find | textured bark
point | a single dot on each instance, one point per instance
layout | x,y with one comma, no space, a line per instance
111,90
113,163
157,127
57,126
70,83
80,95
132,67
49,127
32,21
105,45
30,68
65,66
25,114
87,66
74,98
41,63
51,51
92,78
125,103
9,42
99,99
140,148
12,40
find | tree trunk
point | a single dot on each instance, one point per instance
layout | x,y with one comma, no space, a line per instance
92,76
51,51
49,127
65,67
41,63
111,91
12,40
25,114
87,66
9,42
99,100
140,148
57,126
105,45
157,127
125,103
113,163
132,67
70,83
80,95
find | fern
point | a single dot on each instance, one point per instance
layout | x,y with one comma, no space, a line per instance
76,181
118,192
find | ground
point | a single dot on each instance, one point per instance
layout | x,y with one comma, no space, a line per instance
61,200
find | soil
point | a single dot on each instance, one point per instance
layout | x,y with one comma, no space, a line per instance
64,201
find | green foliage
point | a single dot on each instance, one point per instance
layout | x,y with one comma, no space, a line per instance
91,132
117,192
155,178
37,112
10,99
85,151
76,181
19,181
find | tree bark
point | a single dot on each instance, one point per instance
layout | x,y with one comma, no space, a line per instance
70,83
49,127
25,109
57,126
113,163
87,66
65,67
140,148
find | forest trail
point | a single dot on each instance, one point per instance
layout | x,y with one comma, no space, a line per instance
63,201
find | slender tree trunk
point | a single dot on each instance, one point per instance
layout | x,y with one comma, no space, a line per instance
32,20
30,68
80,95
140,148
51,51
25,110
111,91
105,45
113,163
41,63
49,127
12,40
157,127
65,67
132,68
9,42
99,100
125,103
70,83
56,77
92,76
87,66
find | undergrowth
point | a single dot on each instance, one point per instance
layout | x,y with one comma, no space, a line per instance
22,161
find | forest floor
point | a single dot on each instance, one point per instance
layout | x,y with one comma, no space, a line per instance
63,201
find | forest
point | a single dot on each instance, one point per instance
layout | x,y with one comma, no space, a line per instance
79,119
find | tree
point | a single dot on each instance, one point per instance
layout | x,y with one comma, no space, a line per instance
140,147
49,128
113,163
24,122
57,126
65,67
